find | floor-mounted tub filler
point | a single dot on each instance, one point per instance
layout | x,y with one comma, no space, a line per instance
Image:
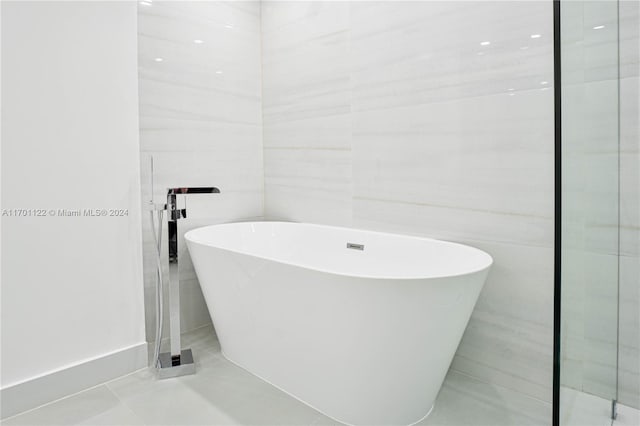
360,325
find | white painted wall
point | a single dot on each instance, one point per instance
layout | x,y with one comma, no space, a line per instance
201,120
393,116
71,286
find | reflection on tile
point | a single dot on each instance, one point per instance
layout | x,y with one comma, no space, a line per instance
120,416
629,24
94,406
629,333
600,203
232,389
171,403
508,339
582,409
201,121
400,61
221,393
494,349
629,361
465,401
627,416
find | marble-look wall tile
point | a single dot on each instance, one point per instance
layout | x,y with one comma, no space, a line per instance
629,26
310,185
629,340
600,198
201,120
467,49
629,345
306,111
512,321
375,119
482,170
465,401
453,139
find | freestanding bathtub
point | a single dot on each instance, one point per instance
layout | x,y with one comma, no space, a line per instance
360,325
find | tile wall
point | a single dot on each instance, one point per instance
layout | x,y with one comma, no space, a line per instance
629,343
600,135
426,118
590,196
201,121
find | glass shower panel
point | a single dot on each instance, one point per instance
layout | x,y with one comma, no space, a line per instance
590,209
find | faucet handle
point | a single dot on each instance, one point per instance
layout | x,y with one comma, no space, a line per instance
177,214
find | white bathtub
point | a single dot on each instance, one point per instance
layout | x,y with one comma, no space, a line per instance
364,336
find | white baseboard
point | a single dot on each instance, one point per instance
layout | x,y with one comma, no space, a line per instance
58,384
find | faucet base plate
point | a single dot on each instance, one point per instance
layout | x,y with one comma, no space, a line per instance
170,368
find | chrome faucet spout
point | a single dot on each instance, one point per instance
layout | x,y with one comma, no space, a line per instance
193,190
173,213
172,202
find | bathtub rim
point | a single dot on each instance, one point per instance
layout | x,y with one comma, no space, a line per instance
191,240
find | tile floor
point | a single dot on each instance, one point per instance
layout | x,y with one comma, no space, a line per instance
224,394
582,409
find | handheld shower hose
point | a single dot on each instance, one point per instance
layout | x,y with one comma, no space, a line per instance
157,238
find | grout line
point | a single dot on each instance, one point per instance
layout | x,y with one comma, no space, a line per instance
499,386
124,404
441,206
352,89
264,177
306,148
510,375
